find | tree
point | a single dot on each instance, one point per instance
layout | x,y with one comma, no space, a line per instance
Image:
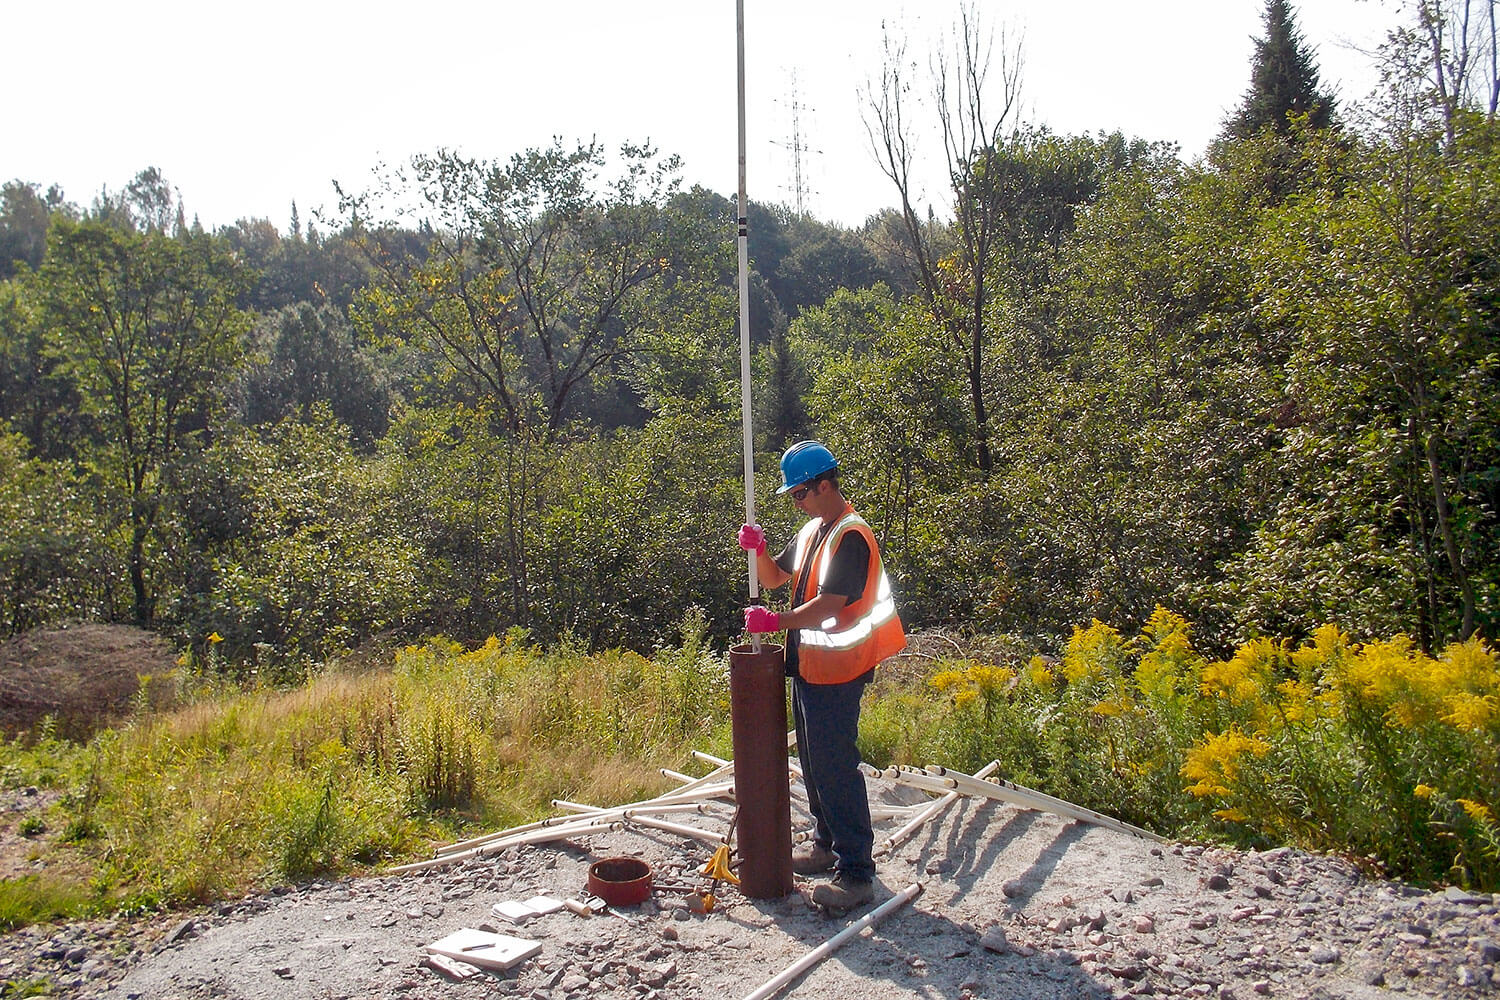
529,277
1393,279
25,214
311,358
951,269
1283,81
146,324
1448,61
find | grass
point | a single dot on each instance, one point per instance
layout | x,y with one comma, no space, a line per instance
1370,751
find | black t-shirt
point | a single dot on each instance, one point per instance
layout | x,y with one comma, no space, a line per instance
848,568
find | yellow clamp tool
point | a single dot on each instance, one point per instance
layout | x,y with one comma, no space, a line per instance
718,865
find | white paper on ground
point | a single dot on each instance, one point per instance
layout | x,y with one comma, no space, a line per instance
544,904
491,951
513,910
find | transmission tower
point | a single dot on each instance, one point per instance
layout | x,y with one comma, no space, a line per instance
798,146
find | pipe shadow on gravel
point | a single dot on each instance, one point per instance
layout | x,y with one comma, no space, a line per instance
924,954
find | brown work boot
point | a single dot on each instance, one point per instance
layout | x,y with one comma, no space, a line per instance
844,893
811,858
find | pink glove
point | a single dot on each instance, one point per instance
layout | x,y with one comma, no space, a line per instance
753,539
759,619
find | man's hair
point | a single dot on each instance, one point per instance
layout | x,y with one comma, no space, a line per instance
831,476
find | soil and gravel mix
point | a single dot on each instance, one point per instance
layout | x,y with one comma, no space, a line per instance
1015,904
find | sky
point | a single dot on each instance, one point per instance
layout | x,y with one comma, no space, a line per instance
248,108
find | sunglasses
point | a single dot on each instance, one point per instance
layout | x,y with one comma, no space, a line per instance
802,491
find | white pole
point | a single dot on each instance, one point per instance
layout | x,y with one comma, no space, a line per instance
828,947
744,255
928,812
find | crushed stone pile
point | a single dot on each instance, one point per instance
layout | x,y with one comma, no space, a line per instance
1015,904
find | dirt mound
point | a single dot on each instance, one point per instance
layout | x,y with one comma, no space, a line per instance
82,675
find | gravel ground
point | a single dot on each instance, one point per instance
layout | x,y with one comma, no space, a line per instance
1015,904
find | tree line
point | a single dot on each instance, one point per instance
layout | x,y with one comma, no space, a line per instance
1257,388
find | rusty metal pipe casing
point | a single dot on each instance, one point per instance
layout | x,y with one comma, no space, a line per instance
762,782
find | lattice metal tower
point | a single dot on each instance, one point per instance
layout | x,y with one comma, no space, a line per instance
798,147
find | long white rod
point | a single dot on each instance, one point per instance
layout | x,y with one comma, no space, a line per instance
561,832
1000,788
743,242
828,947
928,812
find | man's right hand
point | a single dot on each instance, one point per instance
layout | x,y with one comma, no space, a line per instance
753,539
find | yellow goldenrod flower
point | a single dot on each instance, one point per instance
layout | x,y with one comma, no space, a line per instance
215,638
945,680
1478,811
1214,764
1038,674
1096,651
1423,791
1470,712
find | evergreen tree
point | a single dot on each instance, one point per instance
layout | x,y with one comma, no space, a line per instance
1283,81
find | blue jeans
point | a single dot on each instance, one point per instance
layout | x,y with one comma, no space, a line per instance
827,721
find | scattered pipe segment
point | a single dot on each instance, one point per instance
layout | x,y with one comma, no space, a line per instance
895,840
1020,795
1016,795
822,951
560,832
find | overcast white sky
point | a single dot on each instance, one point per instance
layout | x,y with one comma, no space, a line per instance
248,107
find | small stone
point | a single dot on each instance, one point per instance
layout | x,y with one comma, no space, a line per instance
1152,882
670,933
1262,987
994,940
573,983
1489,953
1324,955
1143,924
1013,890
1217,882
284,971
1472,977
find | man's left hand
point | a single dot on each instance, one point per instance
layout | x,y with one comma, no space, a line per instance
761,620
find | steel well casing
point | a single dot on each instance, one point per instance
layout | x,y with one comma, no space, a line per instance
762,780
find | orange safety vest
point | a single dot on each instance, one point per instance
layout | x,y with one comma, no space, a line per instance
861,634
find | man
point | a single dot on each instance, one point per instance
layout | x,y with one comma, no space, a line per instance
842,623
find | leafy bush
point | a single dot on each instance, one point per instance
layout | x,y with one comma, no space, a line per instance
1375,750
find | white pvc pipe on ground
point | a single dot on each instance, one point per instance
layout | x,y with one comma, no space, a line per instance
561,832
1021,795
928,813
678,797
828,947
691,832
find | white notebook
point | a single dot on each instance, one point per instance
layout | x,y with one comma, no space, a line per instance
484,949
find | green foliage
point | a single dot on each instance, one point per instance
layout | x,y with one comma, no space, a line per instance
1374,750
53,565
36,899
147,326
311,362
1283,81
293,548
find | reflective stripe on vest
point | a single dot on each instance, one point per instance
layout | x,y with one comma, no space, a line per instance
863,633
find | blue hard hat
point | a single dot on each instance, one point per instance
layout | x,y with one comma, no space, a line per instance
802,461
